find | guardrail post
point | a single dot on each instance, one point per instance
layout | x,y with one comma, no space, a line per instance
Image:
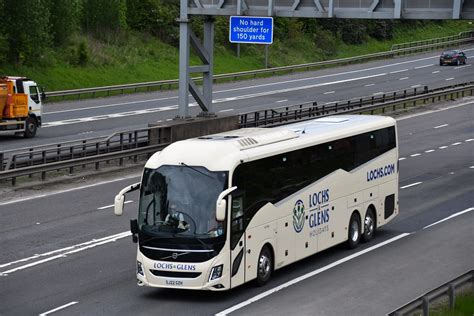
452,295
84,151
71,151
30,162
97,151
426,306
43,174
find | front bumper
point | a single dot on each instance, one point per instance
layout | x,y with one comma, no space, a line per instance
183,275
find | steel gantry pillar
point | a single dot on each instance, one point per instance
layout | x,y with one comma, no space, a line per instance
205,51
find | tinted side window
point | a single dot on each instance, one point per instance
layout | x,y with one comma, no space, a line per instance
274,178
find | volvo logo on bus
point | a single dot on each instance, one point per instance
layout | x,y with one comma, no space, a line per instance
298,216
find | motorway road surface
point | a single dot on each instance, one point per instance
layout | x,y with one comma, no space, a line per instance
66,121
64,252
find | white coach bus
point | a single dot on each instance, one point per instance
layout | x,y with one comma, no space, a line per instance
221,210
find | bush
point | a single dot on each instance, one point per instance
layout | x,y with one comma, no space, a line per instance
325,42
381,29
82,54
354,32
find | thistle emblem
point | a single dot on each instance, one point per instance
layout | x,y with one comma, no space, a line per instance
298,216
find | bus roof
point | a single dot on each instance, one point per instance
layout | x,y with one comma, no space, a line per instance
226,150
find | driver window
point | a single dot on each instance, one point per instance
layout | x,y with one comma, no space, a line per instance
34,95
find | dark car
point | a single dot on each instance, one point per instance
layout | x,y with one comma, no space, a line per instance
452,57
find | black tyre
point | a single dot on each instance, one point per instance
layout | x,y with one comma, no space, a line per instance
31,127
354,231
264,266
369,226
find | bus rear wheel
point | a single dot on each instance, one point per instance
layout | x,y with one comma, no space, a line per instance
264,266
369,226
354,231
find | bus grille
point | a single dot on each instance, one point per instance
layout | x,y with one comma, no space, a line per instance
173,274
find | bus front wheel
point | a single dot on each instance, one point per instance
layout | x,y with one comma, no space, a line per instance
354,231
265,266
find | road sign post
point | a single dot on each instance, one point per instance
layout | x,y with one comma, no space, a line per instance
251,30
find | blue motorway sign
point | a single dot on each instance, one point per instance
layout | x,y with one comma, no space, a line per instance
251,29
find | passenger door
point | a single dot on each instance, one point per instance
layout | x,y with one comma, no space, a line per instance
237,241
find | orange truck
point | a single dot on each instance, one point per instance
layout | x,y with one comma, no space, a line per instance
21,106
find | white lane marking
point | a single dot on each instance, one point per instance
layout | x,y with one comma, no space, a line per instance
68,190
404,78
58,308
370,85
74,249
449,217
410,185
167,120
60,250
429,151
400,159
241,97
441,126
330,92
416,86
435,72
109,206
415,155
378,93
228,110
109,105
398,71
435,111
419,67
471,167
309,275
280,101
469,140
443,147
455,144
448,79
459,67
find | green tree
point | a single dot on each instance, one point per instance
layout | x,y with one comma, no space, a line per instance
104,18
27,29
156,17
64,19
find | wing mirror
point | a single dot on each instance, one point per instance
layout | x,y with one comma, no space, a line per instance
221,204
120,197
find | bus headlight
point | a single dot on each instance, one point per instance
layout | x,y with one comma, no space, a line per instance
140,268
216,272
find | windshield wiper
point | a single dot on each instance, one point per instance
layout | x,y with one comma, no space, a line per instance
192,168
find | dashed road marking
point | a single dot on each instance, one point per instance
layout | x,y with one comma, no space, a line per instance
441,126
415,155
329,92
448,79
281,101
369,85
228,110
411,185
443,147
435,72
400,159
455,144
419,67
459,67
429,151
398,71
58,308
404,78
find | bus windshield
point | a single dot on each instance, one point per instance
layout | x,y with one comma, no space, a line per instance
181,201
